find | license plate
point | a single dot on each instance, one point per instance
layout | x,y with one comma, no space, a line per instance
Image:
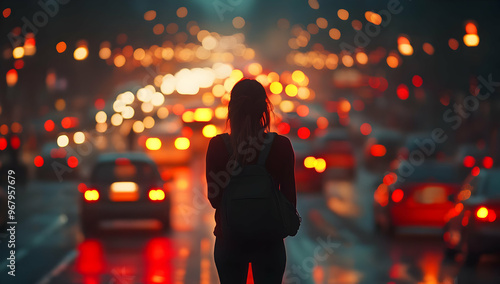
431,195
124,191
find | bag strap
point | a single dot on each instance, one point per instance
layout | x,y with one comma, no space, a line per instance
267,148
225,137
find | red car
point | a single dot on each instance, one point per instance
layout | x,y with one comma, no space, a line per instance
474,221
419,199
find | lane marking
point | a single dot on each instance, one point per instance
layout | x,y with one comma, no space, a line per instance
60,267
21,253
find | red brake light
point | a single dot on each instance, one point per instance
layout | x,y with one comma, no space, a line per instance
469,161
156,194
38,161
488,162
485,214
91,195
378,150
397,195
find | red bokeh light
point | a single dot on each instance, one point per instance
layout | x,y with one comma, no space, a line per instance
417,81
38,161
365,128
378,150
3,143
403,92
488,162
72,162
15,142
469,161
99,104
303,133
397,195
475,171
283,128
49,125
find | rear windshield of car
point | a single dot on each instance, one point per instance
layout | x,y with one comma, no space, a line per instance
139,172
492,187
430,173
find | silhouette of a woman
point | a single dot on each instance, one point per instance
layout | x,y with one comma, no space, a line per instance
249,114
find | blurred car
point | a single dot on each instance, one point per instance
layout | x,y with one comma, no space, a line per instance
380,149
474,225
54,163
338,152
307,170
418,200
470,156
124,186
166,143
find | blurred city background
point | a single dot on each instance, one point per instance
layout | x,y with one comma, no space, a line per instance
393,109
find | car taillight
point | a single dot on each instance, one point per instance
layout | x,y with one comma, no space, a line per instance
469,161
397,195
156,194
91,195
378,150
488,162
485,214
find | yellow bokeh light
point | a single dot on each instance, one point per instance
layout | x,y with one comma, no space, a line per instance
182,143
116,119
101,117
221,112
254,69
482,212
138,126
303,93
392,61
18,52
273,77
104,53
81,53
286,106
405,49
203,114
119,60
209,131
320,165
310,162
79,137
148,122
153,143
162,112
188,116
291,90
62,140
362,58
471,40
276,88
236,75
298,76
347,60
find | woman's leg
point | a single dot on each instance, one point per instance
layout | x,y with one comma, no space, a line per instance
231,262
268,263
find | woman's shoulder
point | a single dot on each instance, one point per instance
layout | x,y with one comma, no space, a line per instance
283,141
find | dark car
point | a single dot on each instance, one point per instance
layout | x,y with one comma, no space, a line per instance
124,186
473,228
337,150
418,199
54,163
381,149
307,172
470,156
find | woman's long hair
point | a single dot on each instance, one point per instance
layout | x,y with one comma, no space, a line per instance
249,114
